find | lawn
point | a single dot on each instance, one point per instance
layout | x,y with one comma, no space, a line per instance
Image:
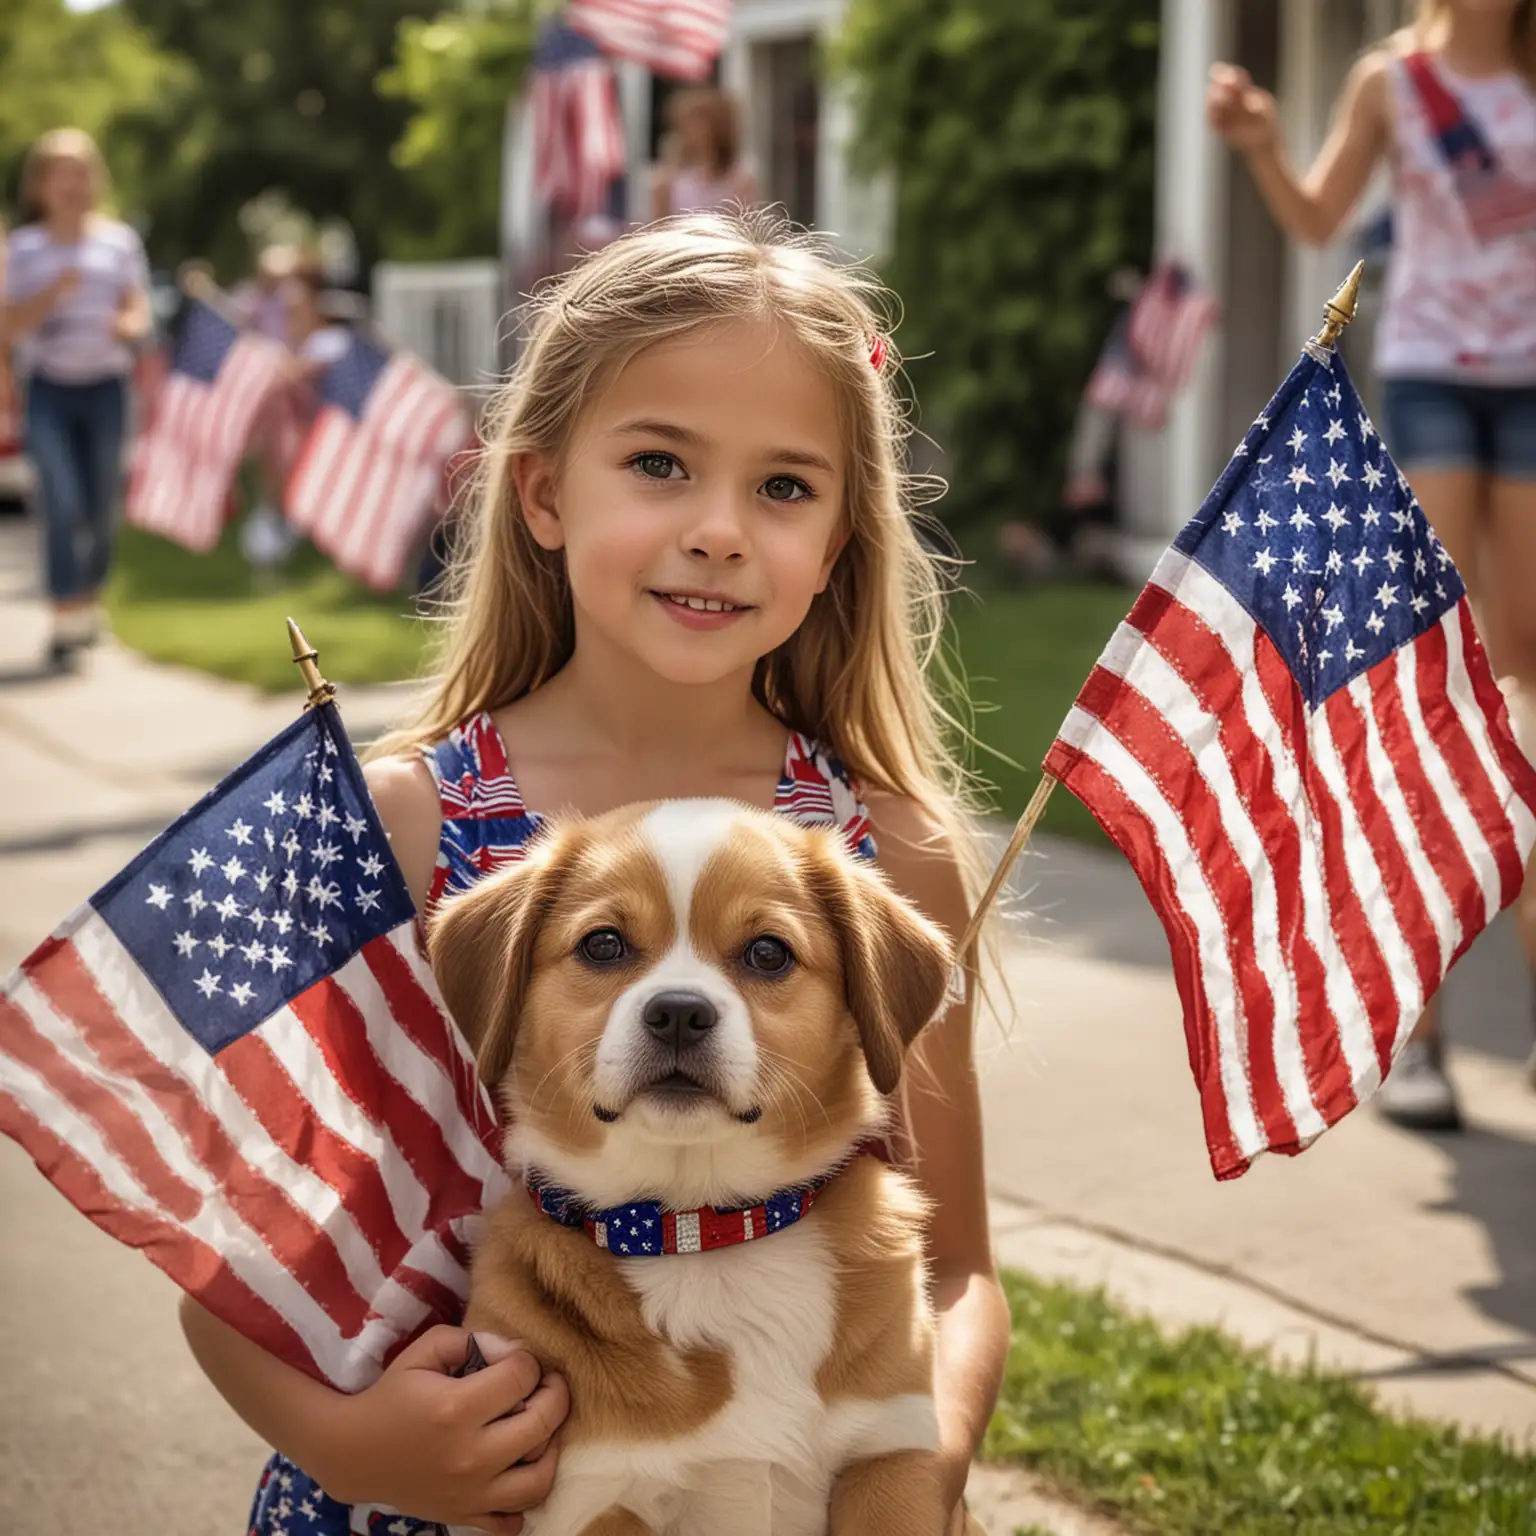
212,612
1190,1435
1025,652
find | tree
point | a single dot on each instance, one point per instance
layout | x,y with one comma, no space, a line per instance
1021,135
84,70
284,100
459,71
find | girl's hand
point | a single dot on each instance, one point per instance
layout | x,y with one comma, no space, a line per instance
1239,111
470,1451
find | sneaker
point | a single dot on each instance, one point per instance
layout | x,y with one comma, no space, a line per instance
1417,1094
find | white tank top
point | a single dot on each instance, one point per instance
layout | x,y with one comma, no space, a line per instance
1456,306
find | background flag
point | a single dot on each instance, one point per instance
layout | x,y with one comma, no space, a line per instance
1296,739
204,414
677,38
578,129
234,1057
369,479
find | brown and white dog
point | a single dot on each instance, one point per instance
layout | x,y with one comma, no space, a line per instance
685,1007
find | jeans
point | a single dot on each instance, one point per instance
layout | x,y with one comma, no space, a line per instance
1441,424
75,440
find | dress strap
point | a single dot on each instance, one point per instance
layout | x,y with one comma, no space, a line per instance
485,823
817,790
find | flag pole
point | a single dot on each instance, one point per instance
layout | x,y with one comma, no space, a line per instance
1338,312
304,655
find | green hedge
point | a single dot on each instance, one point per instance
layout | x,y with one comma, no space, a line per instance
1021,133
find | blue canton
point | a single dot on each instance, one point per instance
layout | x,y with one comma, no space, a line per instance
270,883
204,343
1315,532
349,381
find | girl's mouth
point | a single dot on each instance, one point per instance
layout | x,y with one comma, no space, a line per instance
694,611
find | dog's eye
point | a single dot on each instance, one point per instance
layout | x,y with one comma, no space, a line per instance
767,956
603,946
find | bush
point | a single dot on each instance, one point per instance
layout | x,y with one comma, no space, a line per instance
1021,134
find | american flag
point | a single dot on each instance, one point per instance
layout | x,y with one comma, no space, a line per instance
369,478
1497,203
1120,384
677,38
578,133
234,1058
1296,739
1169,321
204,414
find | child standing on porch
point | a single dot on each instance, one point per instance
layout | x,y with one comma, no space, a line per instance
1450,103
691,572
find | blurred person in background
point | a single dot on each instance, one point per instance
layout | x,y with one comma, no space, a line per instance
75,306
1449,103
261,301
317,338
701,169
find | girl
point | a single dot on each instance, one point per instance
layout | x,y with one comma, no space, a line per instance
1450,102
690,572
701,170
76,299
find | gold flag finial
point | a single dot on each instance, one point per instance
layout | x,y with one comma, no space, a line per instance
1340,309
304,654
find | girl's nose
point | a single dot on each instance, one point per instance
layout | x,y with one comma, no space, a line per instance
719,532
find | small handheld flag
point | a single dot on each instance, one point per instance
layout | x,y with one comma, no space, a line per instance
1297,741
234,1057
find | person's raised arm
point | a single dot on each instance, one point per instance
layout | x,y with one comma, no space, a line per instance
944,1105
1308,208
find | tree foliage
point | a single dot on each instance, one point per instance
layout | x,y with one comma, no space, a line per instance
458,72
86,70
285,100
1021,134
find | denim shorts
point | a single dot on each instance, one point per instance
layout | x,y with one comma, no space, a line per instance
1441,424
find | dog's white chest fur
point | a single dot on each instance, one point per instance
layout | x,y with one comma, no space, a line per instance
764,1465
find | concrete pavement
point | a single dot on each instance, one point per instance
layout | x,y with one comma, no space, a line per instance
1407,1260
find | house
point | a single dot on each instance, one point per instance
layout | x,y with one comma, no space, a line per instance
1210,215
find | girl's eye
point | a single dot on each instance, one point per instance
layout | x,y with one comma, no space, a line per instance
603,946
786,488
767,956
655,466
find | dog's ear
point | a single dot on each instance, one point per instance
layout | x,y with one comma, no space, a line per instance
896,964
481,946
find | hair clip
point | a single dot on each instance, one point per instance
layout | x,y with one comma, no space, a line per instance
877,353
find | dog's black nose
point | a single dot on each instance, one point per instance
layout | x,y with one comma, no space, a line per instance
680,1019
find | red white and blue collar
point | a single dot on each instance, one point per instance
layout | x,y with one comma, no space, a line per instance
646,1229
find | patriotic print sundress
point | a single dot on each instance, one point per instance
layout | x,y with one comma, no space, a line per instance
486,825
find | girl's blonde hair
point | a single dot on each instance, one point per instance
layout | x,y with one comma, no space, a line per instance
1431,13
864,673
58,144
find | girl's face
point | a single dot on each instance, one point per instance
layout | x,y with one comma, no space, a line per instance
700,505
67,187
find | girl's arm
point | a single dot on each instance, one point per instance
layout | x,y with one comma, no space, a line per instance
1312,208
944,1105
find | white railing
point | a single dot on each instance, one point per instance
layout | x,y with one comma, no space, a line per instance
449,313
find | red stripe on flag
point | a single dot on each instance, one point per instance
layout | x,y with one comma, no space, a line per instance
1346,722
1463,761
1437,836
1197,654
294,1239
339,1030
263,1082
132,1146
1520,773
1129,827
1351,929
1139,727
195,1267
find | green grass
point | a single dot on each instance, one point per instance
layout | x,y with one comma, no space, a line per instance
212,612
1192,1434
1025,652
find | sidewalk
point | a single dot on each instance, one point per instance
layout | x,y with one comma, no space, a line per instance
1407,1260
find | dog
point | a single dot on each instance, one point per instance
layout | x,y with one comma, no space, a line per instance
693,1014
